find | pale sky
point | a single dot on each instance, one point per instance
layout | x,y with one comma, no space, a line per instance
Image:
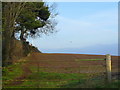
84,28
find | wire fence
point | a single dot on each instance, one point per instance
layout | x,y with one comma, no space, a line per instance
82,72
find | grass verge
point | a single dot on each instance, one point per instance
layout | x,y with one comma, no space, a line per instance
11,72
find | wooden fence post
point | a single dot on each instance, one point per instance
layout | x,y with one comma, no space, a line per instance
108,67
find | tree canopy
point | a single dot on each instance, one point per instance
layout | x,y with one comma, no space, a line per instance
32,19
29,19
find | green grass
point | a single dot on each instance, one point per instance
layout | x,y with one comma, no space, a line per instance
52,80
114,84
11,72
44,79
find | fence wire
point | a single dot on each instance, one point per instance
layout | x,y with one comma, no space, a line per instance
90,71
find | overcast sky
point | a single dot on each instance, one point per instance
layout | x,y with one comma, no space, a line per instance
84,28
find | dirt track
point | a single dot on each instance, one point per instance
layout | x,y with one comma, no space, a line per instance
20,80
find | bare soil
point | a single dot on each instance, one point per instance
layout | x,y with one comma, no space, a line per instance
65,63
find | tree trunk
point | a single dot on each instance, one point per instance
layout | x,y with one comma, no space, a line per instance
10,12
22,36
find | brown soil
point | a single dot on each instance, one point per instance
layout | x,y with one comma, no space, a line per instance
65,63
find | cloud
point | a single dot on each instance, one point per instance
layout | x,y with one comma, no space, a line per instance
102,20
97,28
101,49
95,49
94,29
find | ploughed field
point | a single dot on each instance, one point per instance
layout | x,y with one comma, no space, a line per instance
45,70
72,63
